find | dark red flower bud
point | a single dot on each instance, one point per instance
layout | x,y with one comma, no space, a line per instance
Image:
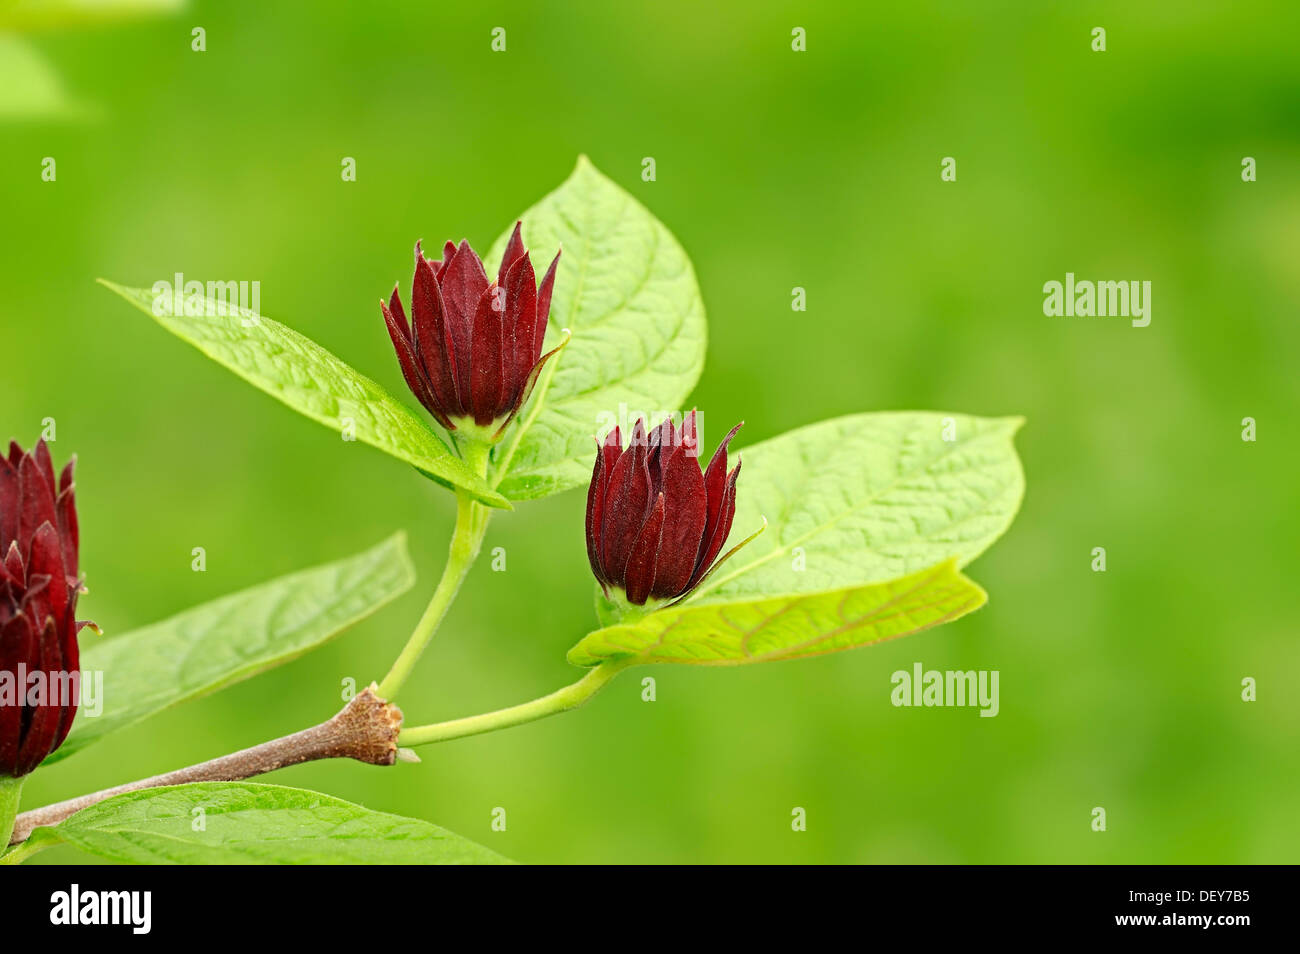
473,349
38,601
655,523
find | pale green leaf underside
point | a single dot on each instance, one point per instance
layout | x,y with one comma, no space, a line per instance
315,383
787,627
866,499
626,290
247,823
232,638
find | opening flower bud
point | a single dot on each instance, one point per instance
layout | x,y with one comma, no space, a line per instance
39,585
473,348
655,522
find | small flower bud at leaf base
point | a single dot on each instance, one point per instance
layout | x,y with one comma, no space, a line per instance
473,348
39,586
655,522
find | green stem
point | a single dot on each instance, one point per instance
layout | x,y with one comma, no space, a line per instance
562,700
471,525
11,790
24,850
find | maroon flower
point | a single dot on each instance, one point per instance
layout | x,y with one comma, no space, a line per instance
473,349
38,601
655,523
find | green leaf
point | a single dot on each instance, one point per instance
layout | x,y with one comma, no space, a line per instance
626,290
30,88
312,381
866,499
60,14
230,639
249,823
869,518
787,627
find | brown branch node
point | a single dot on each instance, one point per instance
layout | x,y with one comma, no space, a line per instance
365,729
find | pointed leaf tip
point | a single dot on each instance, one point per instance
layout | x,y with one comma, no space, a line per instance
317,384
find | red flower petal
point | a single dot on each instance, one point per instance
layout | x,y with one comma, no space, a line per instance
627,504
691,435
683,486
9,504
544,294
14,564
612,450
71,664
596,493
514,248
715,484
36,499
716,535
463,282
522,348
406,359
47,560
487,372
69,532
433,343
42,454
399,313
641,562
43,722
663,439
17,645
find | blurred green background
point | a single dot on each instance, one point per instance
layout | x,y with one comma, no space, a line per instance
775,169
